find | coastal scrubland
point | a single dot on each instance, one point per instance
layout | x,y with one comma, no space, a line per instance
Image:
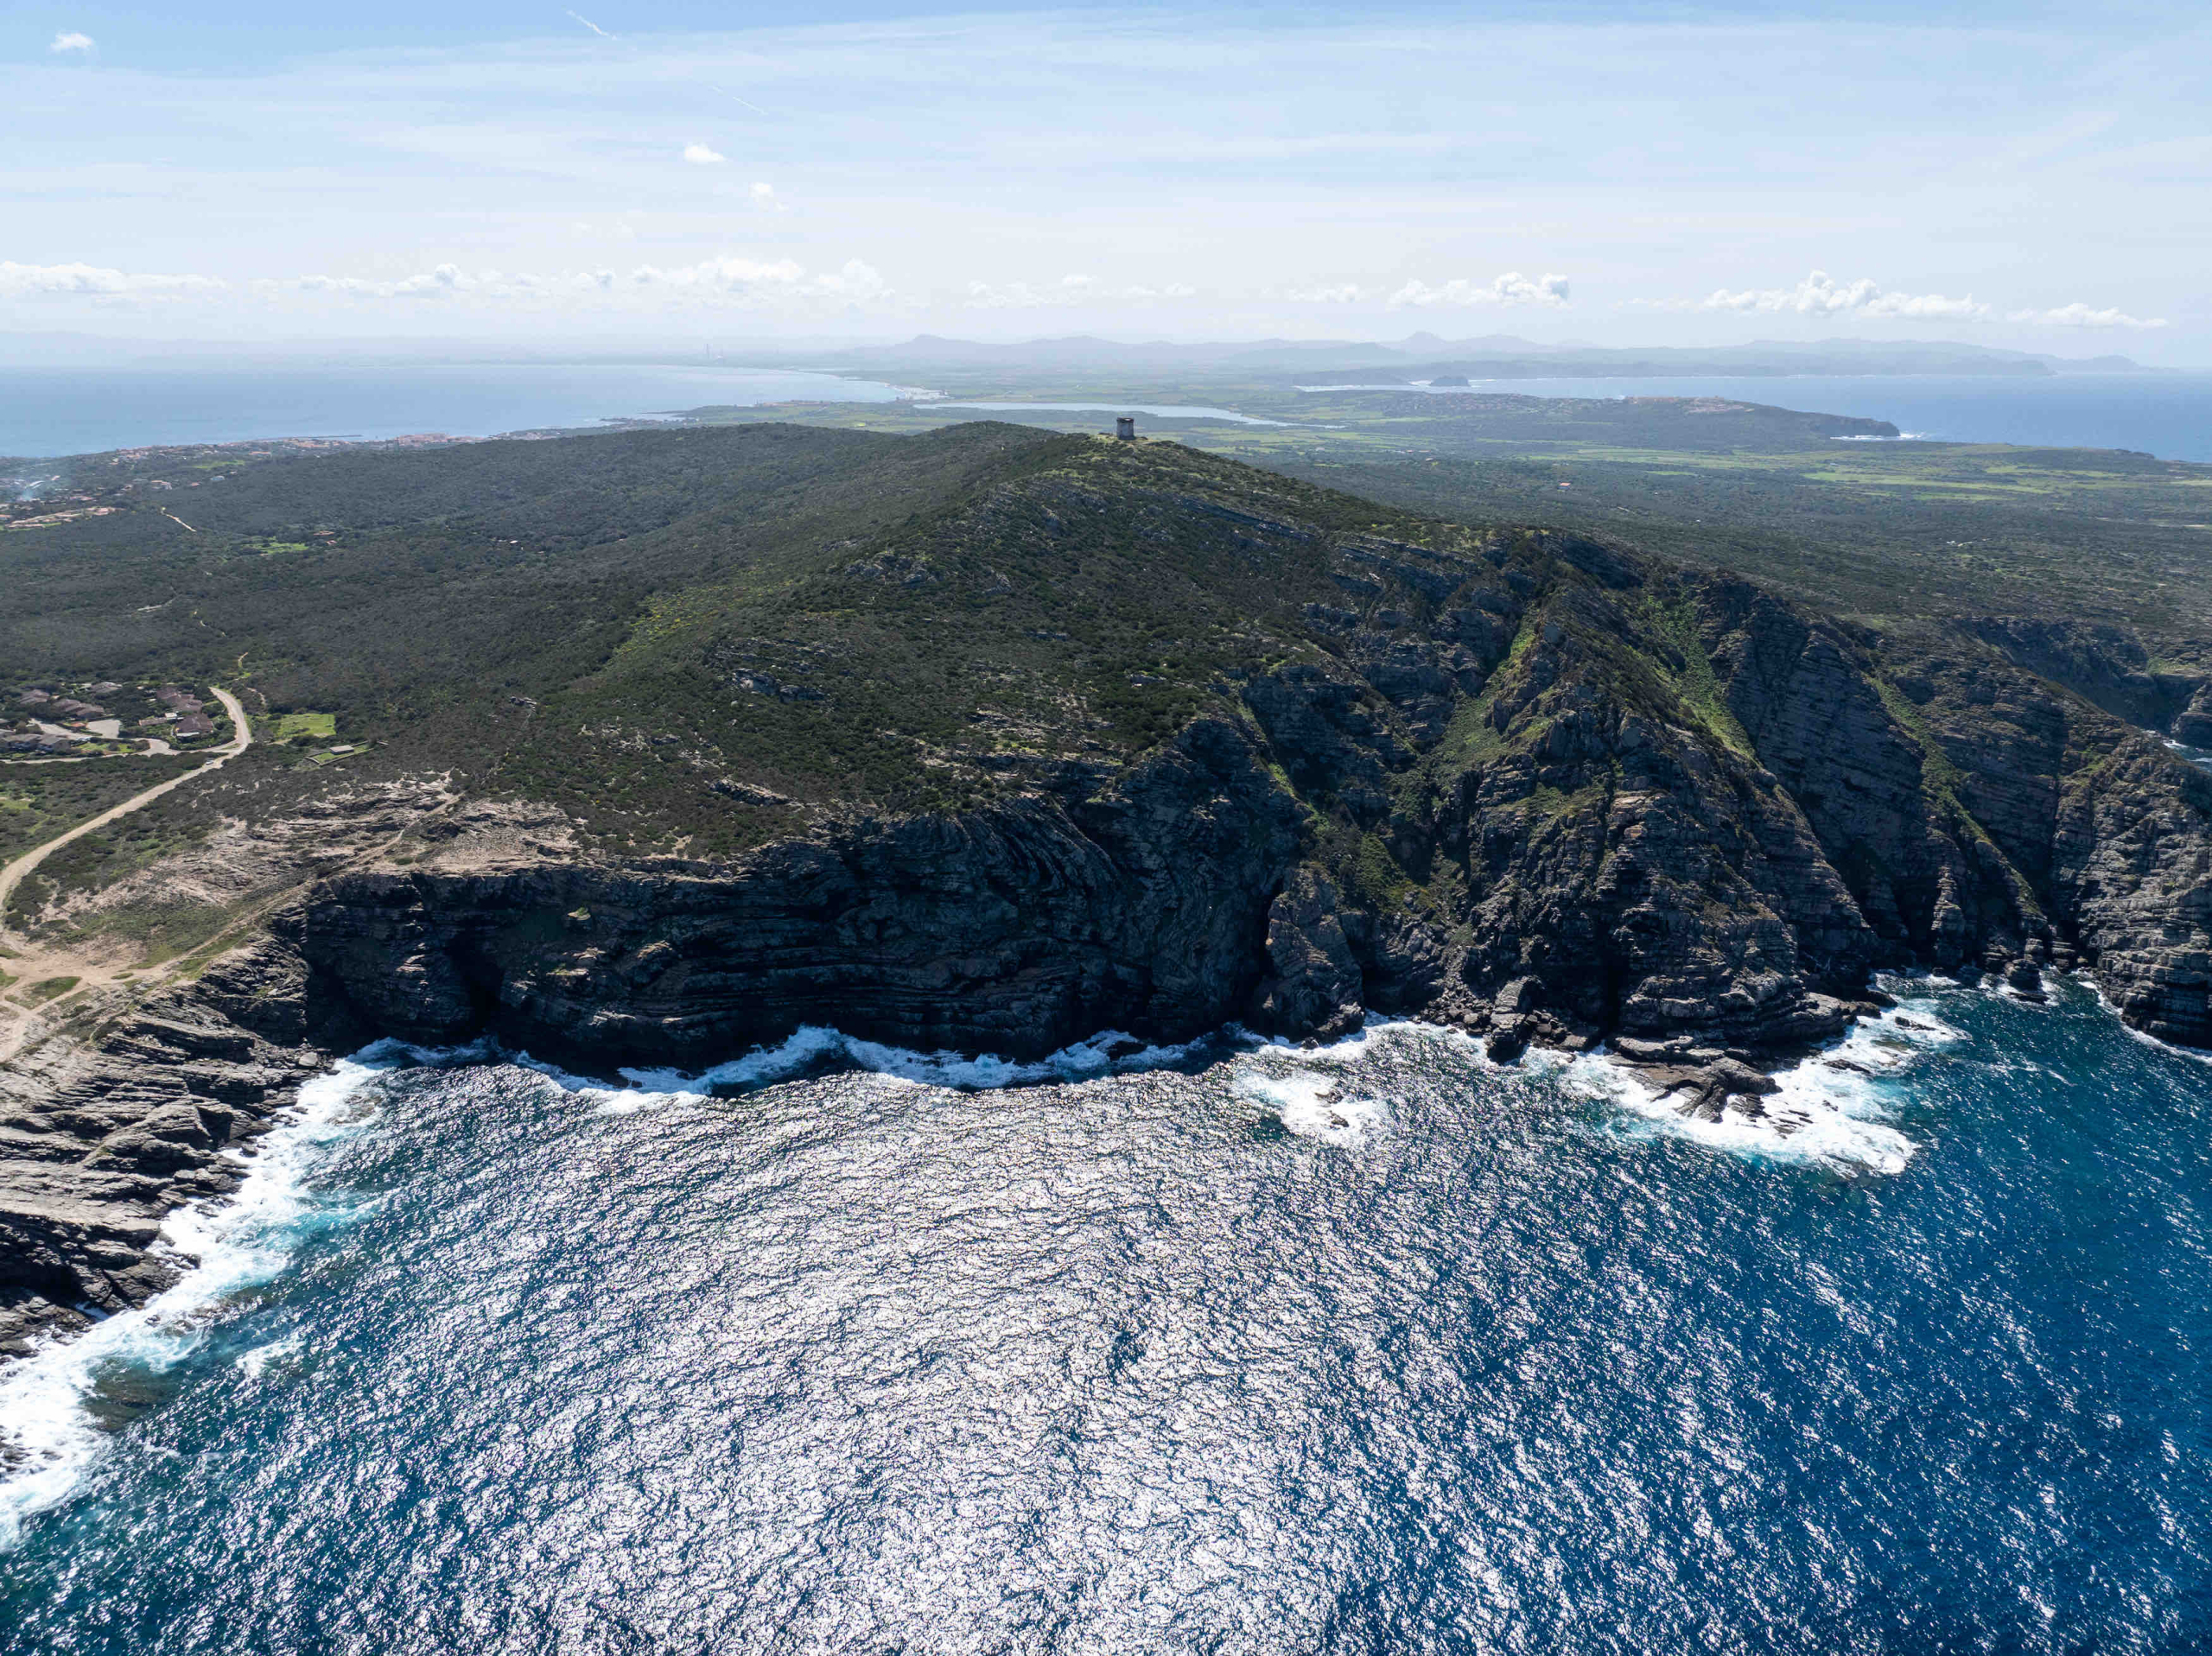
661,744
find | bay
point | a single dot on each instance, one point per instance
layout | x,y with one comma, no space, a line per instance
1374,1346
52,411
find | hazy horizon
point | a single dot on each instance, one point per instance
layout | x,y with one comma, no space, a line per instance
92,351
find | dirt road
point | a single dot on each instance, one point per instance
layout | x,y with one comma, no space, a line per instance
12,875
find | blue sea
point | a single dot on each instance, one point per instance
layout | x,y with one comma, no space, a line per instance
47,411
1374,1346
2168,414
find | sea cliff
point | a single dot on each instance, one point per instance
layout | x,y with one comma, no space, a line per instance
1534,785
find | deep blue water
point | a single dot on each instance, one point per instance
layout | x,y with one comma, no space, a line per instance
2169,414
1375,1347
80,411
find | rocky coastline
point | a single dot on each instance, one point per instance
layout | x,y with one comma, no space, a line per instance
1543,790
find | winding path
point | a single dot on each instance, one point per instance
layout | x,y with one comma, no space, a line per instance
12,875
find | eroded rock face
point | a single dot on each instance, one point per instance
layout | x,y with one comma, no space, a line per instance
1315,986
100,1141
1543,789
2133,861
1016,931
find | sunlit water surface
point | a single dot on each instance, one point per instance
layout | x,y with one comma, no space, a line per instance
1374,1347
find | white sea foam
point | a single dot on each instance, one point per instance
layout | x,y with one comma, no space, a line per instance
1309,1093
1312,1104
241,1241
2200,756
1111,1052
2142,1035
1824,1112
256,1361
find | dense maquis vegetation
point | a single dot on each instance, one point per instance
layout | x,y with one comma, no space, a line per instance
1894,536
1891,531
695,637
621,624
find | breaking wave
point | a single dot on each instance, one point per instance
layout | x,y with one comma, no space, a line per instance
48,1432
1834,1108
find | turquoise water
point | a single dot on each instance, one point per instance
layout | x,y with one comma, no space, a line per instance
1369,1347
45,411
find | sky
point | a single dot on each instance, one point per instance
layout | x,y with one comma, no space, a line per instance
2022,176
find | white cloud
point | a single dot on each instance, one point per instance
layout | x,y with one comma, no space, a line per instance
1157,141
732,275
769,284
2080,315
699,155
1067,291
856,282
443,282
1019,296
1512,288
730,281
745,283
1821,295
71,41
24,281
592,26
764,198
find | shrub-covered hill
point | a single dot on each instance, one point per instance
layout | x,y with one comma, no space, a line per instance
1504,757
998,741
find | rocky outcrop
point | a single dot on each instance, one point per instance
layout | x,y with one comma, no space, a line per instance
1315,986
2111,666
1016,931
2132,866
101,1138
1538,786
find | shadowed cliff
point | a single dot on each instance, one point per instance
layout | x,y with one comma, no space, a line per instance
993,741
